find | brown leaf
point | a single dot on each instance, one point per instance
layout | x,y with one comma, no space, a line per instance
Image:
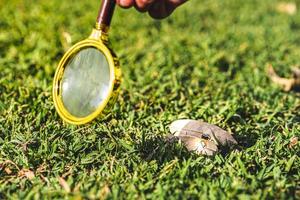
296,72
293,142
64,184
288,8
7,170
42,168
45,179
286,83
26,173
6,162
104,192
65,39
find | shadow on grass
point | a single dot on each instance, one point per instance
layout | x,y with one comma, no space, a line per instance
296,89
246,136
161,149
246,140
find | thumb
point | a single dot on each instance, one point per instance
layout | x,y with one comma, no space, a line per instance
159,10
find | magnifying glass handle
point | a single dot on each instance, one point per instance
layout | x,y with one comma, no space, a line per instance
105,15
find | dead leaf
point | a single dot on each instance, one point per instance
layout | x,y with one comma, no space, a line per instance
296,73
288,8
7,170
104,192
26,173
201,137
65,39
287,84
64,184
42,168
293,142
45,179
9,162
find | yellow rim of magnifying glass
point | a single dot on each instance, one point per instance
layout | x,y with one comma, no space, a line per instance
96,40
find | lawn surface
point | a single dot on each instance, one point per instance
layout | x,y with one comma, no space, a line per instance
205,62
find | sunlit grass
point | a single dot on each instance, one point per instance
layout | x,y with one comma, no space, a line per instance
205,62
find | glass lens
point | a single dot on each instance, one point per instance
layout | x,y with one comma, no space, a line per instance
85,82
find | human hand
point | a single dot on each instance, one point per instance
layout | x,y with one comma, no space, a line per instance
157,9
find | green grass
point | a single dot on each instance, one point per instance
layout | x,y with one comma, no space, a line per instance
205,62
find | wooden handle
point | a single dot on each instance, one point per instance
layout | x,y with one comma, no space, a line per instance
105,13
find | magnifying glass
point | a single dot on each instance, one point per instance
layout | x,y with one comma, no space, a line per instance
87,79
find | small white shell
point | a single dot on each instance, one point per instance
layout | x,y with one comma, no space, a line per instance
202,130
200,137
199,145
178,125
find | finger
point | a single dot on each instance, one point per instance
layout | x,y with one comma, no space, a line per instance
158,10
143,5
171,5
125,3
